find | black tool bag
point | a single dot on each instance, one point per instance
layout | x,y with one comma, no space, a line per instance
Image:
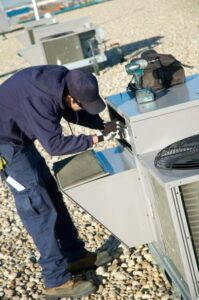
162,72
183,154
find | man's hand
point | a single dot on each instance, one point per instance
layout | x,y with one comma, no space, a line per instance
95,139
110,127
111,130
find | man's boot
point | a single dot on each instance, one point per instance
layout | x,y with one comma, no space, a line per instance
71,289
90,261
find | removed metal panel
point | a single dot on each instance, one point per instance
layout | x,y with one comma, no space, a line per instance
78,169
116,200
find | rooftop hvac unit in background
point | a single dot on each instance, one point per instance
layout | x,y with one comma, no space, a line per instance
73,44
67,47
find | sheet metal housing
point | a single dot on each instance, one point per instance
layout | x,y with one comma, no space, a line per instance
141,204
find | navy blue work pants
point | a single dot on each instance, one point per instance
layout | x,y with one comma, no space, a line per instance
43,213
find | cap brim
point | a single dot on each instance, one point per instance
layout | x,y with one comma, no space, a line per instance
95,107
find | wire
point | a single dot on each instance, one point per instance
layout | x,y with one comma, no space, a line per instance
70,128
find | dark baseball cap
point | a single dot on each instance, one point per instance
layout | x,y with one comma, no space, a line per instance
83,87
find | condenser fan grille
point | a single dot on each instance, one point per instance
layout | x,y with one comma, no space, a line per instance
183,154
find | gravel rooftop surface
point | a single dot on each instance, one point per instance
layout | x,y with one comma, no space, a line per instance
167,26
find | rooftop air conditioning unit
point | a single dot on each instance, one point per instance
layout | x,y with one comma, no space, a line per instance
73,44
177,208
159,207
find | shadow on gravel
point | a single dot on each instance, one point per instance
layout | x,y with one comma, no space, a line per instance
111,245
118,53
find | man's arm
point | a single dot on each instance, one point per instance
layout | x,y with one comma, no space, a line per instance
83,118
47,129
108,130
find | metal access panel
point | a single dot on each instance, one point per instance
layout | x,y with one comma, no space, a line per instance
156,124
116,200
175,198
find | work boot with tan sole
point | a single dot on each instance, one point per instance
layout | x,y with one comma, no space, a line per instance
71,289
90,261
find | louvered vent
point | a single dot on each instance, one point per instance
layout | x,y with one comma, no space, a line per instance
190,195
167,225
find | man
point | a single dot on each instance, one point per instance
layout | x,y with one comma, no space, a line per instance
32,103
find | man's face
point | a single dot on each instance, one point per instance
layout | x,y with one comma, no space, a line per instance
72,103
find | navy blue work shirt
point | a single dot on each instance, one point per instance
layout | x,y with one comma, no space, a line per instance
31,107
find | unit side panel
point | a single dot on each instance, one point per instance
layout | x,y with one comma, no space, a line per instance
167,226
190,195
117,202
185,243
150,200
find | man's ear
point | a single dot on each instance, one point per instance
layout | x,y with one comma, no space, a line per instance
69,99
72,100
